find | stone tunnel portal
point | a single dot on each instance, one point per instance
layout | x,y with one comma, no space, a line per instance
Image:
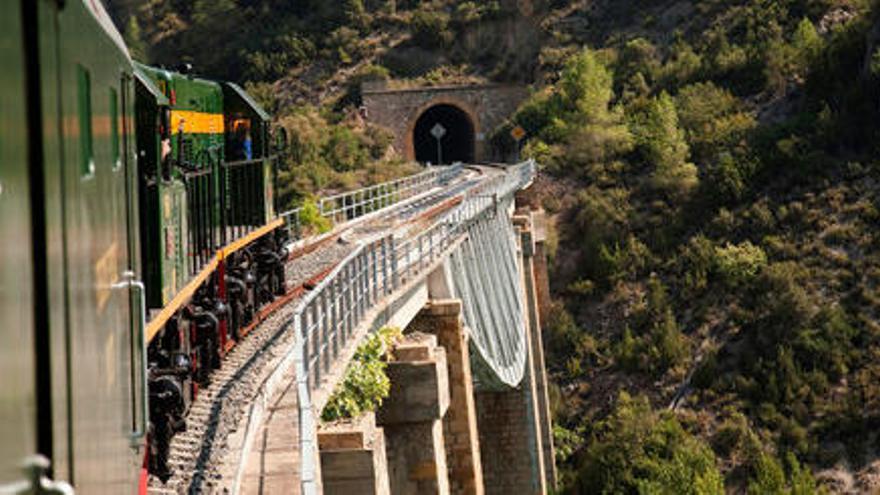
457,145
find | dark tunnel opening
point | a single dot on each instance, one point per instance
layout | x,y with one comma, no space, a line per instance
457,145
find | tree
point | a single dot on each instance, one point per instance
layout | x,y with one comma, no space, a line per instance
662,143
768,478
640,450
585,89
134,40
807,44
713,119
356,14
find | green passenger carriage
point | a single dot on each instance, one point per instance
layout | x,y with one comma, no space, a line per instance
79,397
139,244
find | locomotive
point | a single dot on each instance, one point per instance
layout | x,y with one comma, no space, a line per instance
139,241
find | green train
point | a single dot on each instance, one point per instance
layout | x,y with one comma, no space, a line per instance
139,242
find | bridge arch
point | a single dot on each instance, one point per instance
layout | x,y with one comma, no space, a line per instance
462,126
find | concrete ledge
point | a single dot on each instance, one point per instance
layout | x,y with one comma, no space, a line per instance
353,457
419,388
442,307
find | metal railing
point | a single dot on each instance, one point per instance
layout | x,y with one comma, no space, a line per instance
243,204
325,320
224,202
202,222
350,205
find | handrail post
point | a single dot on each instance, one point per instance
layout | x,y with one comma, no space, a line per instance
395,280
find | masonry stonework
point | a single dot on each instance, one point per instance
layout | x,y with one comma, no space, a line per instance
514,424
536,283
487,106
353,459
412,417
443,319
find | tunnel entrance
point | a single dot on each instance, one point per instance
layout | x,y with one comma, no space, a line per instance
457,145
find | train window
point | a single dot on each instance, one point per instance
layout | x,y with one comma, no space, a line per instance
87,157
114,129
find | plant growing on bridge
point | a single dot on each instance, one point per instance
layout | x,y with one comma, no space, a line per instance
312,220
365,384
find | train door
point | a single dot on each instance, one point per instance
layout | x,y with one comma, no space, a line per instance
90,252
137,302
18,415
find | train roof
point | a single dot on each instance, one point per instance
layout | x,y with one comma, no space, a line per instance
149,85
96,7
163,74
238,91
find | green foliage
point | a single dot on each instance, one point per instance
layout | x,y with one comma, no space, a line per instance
576,350
639,57
739,264
661,141
807,44
430,29
365,384
713,120
324,155
577,115
311,219
281,52
767,478
638,450
344,45
470,12
356,15
684,65
134,40
566,442
658,343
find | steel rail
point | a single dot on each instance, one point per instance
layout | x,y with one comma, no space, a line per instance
350,205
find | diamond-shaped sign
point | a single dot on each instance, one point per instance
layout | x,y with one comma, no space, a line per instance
518,133
438,131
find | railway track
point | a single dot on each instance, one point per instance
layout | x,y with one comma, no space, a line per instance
197,454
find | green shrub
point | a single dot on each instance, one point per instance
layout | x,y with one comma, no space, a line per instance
739,264
311,219
697,263
430,29
732,435
365,384
577,115
684,65
624,261
657,344
566,442
639,450
662,144
345,150
639,57
767,476
345,45
713,119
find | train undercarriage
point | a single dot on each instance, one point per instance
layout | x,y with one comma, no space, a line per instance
193,342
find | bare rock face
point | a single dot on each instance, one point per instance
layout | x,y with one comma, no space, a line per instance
868,479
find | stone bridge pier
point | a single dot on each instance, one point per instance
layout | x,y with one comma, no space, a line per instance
443,429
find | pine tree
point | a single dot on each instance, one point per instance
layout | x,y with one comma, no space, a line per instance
663,144
134,40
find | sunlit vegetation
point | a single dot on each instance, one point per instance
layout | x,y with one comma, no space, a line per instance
365,384
710,169
714,249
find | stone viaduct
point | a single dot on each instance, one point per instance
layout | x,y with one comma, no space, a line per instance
469,114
